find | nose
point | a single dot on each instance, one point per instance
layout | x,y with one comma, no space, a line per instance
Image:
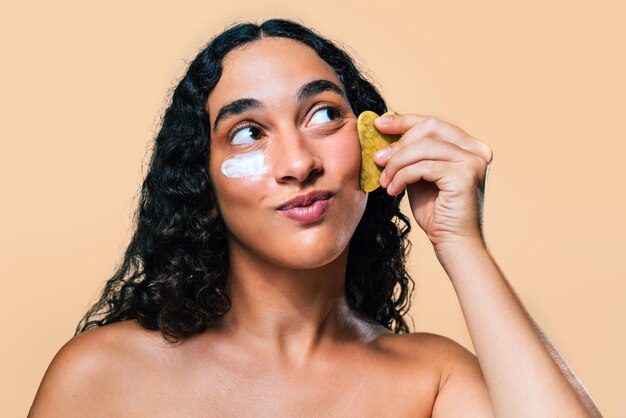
295,158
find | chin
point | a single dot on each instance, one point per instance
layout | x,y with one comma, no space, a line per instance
315,255
308,263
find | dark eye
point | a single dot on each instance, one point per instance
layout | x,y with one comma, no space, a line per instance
326,114
242,135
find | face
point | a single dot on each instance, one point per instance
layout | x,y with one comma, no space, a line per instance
281,127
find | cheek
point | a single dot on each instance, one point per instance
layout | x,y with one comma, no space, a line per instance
249,165
237,178
345,156
244,168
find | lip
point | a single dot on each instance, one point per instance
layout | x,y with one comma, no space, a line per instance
306,199
307,208
308,214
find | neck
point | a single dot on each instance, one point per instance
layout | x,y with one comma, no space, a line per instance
290,312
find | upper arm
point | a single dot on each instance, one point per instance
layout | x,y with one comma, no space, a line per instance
72,383
462,391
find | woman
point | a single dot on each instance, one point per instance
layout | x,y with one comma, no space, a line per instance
271,275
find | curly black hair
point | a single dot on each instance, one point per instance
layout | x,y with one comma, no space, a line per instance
174,273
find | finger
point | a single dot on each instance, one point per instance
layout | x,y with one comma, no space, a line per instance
397,124
414,127
429,170
424,149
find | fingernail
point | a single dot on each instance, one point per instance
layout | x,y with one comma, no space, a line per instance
384,120
382,178
383,153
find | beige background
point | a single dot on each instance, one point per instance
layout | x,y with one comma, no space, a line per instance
542,83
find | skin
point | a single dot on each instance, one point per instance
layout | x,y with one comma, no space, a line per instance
287,289
524,373
290,346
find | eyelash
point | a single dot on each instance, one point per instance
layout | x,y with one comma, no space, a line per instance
254,125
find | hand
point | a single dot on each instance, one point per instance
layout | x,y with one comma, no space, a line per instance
448,205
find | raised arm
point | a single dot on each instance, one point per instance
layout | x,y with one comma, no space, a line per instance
444,171
524,373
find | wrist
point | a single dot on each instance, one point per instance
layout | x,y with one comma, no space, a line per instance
459,247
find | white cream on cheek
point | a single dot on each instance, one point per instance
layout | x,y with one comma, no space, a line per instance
247,164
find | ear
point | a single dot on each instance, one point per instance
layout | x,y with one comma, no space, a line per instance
213,213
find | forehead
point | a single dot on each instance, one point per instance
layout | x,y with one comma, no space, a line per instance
267,68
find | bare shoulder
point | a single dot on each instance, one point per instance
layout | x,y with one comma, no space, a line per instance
86,370
426,350
461,386
435,348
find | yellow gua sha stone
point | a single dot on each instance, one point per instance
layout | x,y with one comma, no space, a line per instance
372,140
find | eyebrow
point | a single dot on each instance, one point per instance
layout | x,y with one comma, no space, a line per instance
242,105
